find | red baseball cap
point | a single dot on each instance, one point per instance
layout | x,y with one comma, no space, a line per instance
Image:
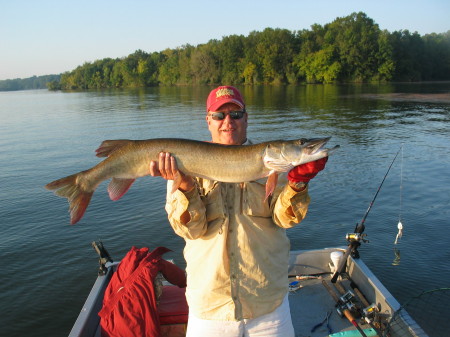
222,95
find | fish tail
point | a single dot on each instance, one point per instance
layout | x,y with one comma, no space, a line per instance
78,198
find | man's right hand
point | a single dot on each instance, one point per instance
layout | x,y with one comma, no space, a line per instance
167,168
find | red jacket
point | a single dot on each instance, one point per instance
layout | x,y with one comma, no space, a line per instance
129,306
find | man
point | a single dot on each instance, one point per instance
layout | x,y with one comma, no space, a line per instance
236,249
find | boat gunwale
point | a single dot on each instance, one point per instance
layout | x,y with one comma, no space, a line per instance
88,321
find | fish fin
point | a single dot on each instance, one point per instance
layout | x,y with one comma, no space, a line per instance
176,182
279,166
271,183
275,161
78,198
109,146
118,187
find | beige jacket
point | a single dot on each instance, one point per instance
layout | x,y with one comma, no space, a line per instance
237,251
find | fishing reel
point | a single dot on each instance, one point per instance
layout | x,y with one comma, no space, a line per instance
374,317
356,237
347,302
369,312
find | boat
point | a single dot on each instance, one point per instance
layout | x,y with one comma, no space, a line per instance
356,304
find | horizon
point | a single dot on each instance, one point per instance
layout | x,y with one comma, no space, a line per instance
41,39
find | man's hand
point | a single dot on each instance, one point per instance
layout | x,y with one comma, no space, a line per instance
167,168
305,172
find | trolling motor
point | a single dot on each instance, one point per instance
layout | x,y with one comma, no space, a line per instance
104,257
355,238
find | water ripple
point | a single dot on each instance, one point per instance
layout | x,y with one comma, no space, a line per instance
45,136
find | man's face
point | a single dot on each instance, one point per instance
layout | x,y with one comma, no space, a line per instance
228,131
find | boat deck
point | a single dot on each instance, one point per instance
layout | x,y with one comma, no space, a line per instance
310,305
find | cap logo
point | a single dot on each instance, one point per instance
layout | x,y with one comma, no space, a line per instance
224,92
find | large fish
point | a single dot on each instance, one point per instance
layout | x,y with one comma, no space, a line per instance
130,159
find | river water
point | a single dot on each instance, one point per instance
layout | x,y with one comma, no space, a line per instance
48,266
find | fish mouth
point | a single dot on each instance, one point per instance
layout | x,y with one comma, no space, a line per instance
316,145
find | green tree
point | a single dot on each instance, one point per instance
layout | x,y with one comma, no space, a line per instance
385,61
321,66
351,48
230,54
116,78
408,51
356,40
437,56
204,66
250,73
275,51
169,71
312,41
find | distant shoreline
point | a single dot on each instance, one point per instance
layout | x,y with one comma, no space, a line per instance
413,97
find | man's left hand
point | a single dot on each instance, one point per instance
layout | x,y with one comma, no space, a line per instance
305,172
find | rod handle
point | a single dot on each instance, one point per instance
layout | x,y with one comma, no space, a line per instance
340,288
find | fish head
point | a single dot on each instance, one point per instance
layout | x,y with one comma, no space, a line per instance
282,156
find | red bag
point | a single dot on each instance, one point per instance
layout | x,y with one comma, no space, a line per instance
129,305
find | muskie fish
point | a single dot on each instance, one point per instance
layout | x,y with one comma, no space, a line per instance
130,159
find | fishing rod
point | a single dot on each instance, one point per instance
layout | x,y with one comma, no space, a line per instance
357,236
343,308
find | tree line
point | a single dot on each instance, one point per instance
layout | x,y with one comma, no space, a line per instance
349,49
34,82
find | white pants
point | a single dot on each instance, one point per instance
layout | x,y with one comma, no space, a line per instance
275,324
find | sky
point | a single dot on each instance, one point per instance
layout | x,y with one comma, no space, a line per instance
43,37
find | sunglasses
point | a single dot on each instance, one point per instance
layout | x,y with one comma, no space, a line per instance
218,116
